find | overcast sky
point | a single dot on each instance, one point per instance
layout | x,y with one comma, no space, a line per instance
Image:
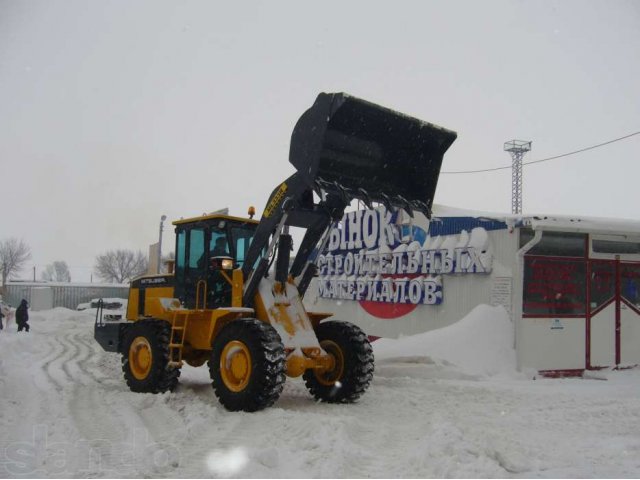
114,113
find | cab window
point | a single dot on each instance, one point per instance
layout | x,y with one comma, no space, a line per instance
196,249
218,245
241,240
181,251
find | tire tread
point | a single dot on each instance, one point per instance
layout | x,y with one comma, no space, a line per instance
359,362
268,359
162,378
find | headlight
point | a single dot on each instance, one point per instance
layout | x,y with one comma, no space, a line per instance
227,264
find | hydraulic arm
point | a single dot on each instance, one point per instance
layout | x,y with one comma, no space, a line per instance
343,149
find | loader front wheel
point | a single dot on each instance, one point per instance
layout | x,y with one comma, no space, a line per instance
352,368
247,365
145,357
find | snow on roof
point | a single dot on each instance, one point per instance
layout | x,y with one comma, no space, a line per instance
565,223
583,224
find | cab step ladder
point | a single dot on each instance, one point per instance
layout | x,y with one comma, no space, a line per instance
176,341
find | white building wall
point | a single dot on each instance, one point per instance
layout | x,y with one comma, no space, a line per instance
551,344
460,292
603,337
546,343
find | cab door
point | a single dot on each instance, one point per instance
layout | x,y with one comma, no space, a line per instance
190,265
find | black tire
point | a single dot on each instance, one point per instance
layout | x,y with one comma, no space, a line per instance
257,348
353,370
158,377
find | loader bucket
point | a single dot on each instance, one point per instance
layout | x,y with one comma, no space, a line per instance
361,150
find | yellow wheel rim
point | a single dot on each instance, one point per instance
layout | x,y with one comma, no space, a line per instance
235,366
330,377
140,358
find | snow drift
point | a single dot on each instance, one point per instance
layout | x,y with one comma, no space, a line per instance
481,344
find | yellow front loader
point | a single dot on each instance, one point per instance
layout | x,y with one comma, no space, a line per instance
235,301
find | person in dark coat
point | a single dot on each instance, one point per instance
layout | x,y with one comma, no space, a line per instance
22,316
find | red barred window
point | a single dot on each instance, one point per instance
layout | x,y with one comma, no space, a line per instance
554,286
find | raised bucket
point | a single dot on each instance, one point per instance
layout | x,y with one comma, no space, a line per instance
358,149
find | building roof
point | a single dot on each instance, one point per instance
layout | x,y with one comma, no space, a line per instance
565,223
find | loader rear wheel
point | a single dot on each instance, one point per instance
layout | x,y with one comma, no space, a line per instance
247,365
145,357
352,366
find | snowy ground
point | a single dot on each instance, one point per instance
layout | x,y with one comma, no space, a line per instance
443,404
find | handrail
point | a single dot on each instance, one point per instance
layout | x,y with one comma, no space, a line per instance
99,323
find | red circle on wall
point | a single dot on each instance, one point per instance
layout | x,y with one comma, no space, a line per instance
387,311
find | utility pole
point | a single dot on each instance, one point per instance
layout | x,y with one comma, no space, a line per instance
162,219
517,149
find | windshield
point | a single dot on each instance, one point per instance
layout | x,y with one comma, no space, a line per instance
241,237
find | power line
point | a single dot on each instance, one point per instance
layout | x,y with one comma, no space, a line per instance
544,159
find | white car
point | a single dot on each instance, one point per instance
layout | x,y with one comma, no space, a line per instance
116,307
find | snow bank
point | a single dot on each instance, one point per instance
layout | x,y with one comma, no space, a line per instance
481,344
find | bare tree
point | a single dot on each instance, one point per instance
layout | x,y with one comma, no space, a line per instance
119,266
58,271
13,255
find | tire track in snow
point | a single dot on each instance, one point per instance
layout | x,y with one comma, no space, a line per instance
160,431
123,428
297,435
107,425
35,406
64,364
151,408
50,352
415,438
69,365
128,433
70,361
88,351
197,424
100,365
81,351
57,349
143,410
101,428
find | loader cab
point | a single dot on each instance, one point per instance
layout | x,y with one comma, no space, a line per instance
207,248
